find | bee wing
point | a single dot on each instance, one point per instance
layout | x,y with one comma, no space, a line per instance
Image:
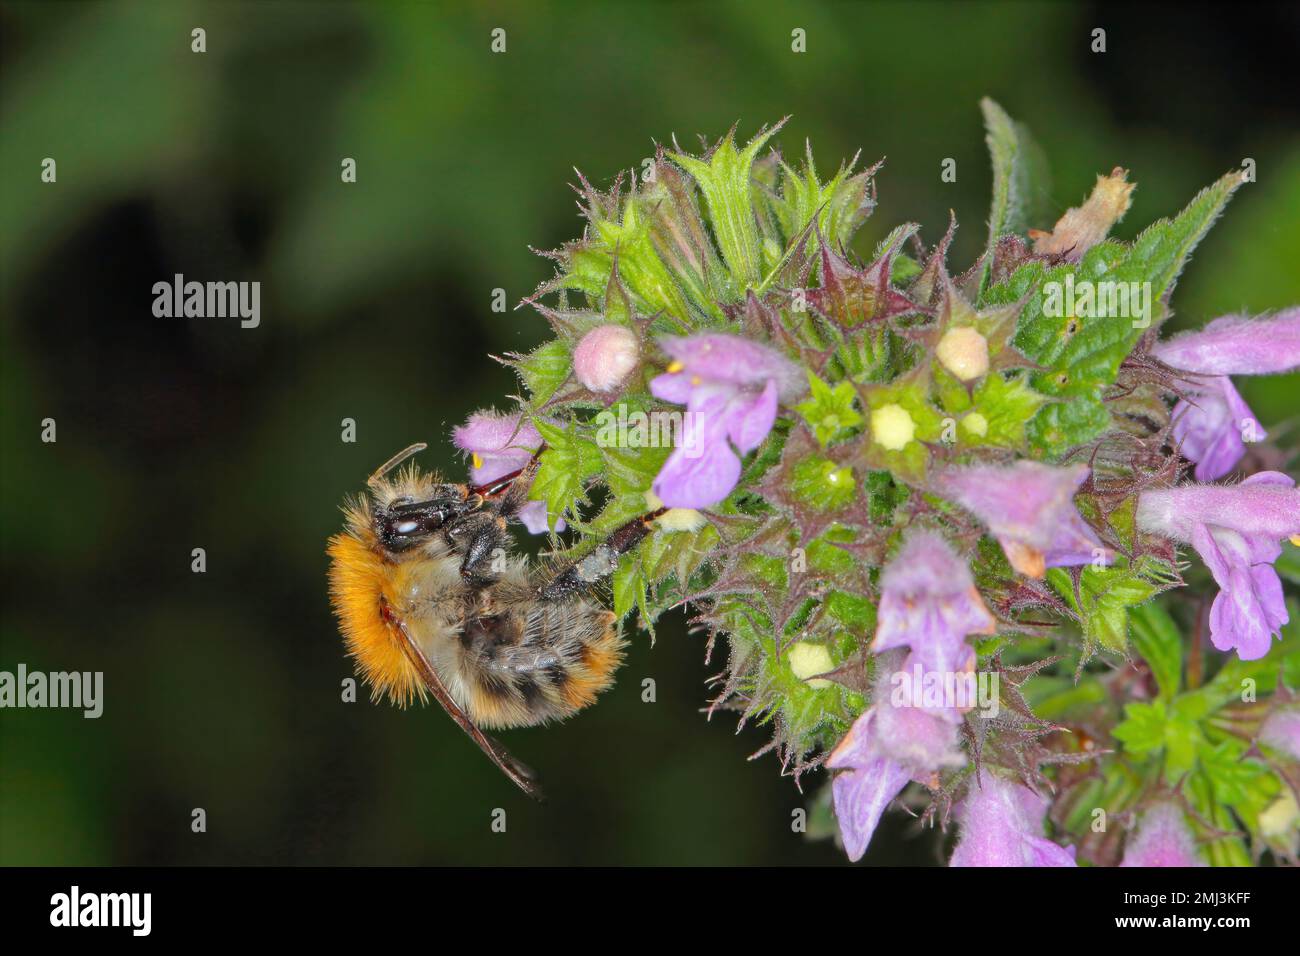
523,776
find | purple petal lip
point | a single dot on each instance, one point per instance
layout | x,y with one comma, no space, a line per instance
1236,345
885,748
704,468
672,387
748,422
1002,825
929,603
532,515
1075,543
1249,610
698,481
1162,838
860,797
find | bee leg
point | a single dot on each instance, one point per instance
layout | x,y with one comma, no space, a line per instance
600,563
481,535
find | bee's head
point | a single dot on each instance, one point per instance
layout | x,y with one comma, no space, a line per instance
407,521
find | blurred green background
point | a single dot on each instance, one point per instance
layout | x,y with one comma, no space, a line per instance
222,690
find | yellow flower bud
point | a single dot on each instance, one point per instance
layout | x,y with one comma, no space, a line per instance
674,519
976,424
964,352
892,427
807,659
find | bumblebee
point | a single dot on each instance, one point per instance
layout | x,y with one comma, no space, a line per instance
431,602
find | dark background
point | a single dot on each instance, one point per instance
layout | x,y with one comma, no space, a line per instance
222,690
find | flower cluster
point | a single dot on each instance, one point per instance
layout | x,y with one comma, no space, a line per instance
931,512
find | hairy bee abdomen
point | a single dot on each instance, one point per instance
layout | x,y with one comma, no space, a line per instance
535,662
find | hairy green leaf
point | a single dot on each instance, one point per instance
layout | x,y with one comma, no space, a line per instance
1019,174
566,464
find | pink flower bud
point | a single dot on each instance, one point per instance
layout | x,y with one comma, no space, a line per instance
605,356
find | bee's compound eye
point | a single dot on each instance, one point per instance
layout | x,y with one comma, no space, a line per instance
403,526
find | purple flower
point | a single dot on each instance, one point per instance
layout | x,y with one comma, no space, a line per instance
1162,839
1237,530
730,387
929,603
1211,427
605,356
1282,731
1213,424
885,748
1029,508
497,445
1002,825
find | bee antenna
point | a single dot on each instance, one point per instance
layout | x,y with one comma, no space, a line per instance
396,460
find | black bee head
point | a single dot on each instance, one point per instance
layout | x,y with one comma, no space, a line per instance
406,523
